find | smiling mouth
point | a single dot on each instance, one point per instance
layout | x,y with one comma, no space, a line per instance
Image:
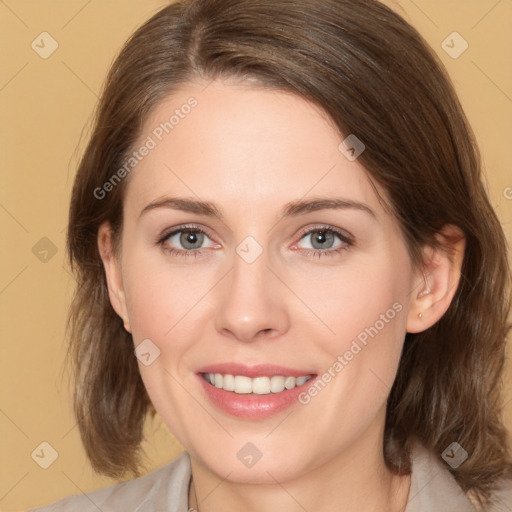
242,384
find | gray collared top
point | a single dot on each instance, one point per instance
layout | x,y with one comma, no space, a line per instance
433,489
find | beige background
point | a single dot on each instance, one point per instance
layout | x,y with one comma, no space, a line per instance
45,105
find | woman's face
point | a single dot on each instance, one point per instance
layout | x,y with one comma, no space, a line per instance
253,247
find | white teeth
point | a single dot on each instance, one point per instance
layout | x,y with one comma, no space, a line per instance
276,384
301,380
243,384
259,386
228,383
289,382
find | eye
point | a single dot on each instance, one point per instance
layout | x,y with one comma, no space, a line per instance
323,241
320,239
186,239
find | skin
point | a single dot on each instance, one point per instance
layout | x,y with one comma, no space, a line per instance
252,151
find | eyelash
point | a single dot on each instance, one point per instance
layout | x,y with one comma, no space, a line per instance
347,241
179,252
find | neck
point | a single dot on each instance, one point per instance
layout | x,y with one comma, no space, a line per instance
356,480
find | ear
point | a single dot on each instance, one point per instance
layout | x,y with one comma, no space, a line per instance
436,282
112,267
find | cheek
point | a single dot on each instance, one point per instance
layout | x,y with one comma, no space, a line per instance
365,309
370,338
358,364
160,298
361,302
163,306
166,306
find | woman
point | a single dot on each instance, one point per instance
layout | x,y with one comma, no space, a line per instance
281,210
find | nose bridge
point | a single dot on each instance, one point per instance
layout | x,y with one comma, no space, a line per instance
252,300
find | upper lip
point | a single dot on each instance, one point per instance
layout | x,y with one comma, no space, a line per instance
254,371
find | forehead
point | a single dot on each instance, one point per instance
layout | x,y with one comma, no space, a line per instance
242,144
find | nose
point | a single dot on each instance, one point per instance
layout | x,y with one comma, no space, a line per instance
252,302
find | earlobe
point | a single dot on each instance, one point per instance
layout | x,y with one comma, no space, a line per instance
113,273
437,281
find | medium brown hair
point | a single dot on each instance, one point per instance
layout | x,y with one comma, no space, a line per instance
373,74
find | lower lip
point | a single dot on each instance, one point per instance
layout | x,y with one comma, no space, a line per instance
252,406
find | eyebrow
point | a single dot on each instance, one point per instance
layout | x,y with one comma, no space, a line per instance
303,206
292,209
186,205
